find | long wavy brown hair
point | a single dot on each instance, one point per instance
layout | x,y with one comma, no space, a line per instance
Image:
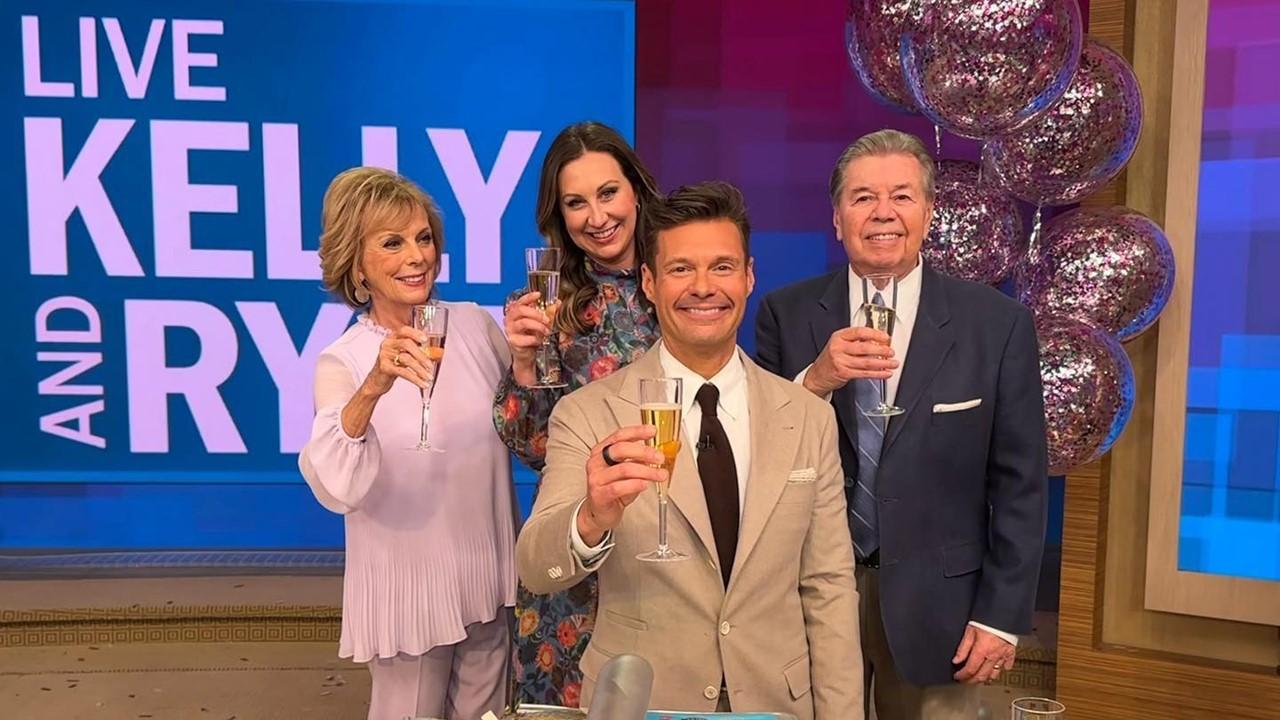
577,290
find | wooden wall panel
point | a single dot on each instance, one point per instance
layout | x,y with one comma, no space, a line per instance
1115,658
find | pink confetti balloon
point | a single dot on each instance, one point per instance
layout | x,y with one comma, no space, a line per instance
872,35
976,233
980,69
1110,266
1088,390
1076,146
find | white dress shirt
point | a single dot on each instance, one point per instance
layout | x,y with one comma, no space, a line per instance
733,410
906,307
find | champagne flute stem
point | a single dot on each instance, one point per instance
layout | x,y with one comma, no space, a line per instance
662,525
546,356
426,416
884,392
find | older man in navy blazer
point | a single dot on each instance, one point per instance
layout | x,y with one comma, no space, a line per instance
946,500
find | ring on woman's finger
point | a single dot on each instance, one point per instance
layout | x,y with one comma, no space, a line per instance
397,361
608,459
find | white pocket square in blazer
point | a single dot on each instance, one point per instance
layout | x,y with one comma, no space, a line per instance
803,475
957,407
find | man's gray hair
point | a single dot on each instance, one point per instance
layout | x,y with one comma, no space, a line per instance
884,142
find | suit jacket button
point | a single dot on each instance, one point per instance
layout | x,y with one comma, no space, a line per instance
725,627
711,692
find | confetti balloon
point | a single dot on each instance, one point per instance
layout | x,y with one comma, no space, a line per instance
1088,390
981,69
977,231
1079,144
1110,266
872,35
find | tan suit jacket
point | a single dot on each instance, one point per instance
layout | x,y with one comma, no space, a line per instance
784,636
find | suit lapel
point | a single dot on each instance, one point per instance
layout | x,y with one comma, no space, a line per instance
686,485
775,436
690,499
834,314
931,340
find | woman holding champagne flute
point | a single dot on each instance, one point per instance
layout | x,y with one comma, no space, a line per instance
427,498
591,194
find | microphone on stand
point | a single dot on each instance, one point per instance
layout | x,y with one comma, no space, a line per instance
622,691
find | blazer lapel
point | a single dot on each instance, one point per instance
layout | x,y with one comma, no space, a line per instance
834,315
685,491
931,340
775,436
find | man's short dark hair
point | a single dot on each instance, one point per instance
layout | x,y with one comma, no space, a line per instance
713,200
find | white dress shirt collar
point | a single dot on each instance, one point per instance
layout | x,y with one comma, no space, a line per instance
730,380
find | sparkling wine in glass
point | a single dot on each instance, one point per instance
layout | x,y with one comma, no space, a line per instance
661,406
433,321
543,266
881,316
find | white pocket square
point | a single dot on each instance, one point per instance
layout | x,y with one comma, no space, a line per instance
803,475
957,407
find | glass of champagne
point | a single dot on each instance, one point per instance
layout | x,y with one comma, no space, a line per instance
1038,709
881,316
433,321
543,265
661,406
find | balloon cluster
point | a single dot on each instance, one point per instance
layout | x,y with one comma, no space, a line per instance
1059,115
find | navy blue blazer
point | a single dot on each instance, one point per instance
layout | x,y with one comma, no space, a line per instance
962,494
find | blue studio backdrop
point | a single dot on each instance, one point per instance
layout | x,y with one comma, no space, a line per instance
164,169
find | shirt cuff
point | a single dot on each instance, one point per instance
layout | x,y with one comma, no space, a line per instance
1011,639
800,381
589,556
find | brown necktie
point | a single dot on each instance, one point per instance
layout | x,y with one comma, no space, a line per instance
719,479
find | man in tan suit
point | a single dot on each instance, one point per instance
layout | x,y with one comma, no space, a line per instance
763,614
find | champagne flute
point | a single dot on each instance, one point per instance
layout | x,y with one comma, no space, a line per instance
433,321
1031,708
543,266
881,316
661,406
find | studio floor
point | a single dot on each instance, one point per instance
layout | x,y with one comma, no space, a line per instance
226,648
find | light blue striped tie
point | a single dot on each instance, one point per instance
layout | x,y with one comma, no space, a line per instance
863,508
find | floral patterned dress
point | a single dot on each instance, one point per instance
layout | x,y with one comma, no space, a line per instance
552,631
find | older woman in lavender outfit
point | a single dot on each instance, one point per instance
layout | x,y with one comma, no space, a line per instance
429,535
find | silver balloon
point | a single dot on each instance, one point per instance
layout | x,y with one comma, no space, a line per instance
1110,266
1088,390
977,231
1077,146
981,69
872,35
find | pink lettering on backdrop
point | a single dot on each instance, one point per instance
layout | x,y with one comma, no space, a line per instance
53,196
175,198
151,380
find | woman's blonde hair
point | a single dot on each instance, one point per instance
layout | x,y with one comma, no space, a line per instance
359,201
